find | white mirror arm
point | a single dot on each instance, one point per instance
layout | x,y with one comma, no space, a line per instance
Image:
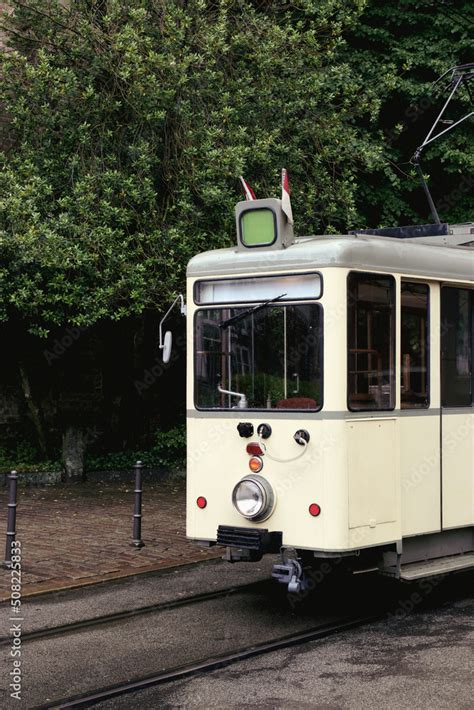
242,397
182,308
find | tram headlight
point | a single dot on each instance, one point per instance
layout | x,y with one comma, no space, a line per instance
253,498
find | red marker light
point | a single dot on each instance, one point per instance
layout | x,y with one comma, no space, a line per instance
314,510
255,449
201,502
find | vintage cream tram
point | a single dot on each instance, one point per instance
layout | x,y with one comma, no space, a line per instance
330,395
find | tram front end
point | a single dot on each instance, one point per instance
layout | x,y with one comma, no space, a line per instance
259,447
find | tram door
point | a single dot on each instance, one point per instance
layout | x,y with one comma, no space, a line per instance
420,459
372,445
457,414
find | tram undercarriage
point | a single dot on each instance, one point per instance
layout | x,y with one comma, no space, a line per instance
409,560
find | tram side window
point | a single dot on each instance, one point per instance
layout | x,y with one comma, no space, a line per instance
456,347
414,346
371,342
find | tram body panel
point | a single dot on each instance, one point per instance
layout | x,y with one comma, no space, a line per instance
318,477
373,474
336,473
373,466
420,473
458,468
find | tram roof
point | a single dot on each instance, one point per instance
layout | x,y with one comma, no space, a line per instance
375,253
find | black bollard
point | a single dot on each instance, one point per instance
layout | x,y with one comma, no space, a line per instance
137,515
11,518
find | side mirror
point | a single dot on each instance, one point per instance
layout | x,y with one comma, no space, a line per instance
166,342
167,346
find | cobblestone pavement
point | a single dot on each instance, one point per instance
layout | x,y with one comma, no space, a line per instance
81,534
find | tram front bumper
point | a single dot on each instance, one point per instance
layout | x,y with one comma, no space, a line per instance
248,543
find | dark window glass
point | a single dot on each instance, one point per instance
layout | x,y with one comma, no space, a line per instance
270,359
456,347
371,342
414,346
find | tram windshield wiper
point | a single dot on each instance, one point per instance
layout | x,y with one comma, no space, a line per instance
249,311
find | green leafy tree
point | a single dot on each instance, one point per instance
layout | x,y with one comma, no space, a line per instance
400,47
125,128
128,124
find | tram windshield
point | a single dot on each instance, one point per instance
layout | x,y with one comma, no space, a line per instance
269,358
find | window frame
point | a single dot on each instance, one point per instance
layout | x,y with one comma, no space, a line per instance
393,326
470,290
428,343
249,411
237,304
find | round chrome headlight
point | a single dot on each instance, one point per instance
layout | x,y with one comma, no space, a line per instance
253,498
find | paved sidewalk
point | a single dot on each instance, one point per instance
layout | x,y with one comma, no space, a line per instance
80,534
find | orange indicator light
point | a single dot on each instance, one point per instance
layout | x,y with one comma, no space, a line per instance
255,464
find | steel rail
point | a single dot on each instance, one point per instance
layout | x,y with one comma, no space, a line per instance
63,629
211,663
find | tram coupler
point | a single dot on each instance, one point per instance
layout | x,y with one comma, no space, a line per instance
291,573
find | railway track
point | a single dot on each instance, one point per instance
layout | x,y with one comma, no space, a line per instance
61,629
211,663
213,653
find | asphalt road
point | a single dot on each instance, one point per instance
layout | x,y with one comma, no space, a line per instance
420,656
422,662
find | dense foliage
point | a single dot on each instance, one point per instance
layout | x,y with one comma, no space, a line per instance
167,451
129,124
400,47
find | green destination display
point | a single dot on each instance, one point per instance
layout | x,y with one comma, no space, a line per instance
258,227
